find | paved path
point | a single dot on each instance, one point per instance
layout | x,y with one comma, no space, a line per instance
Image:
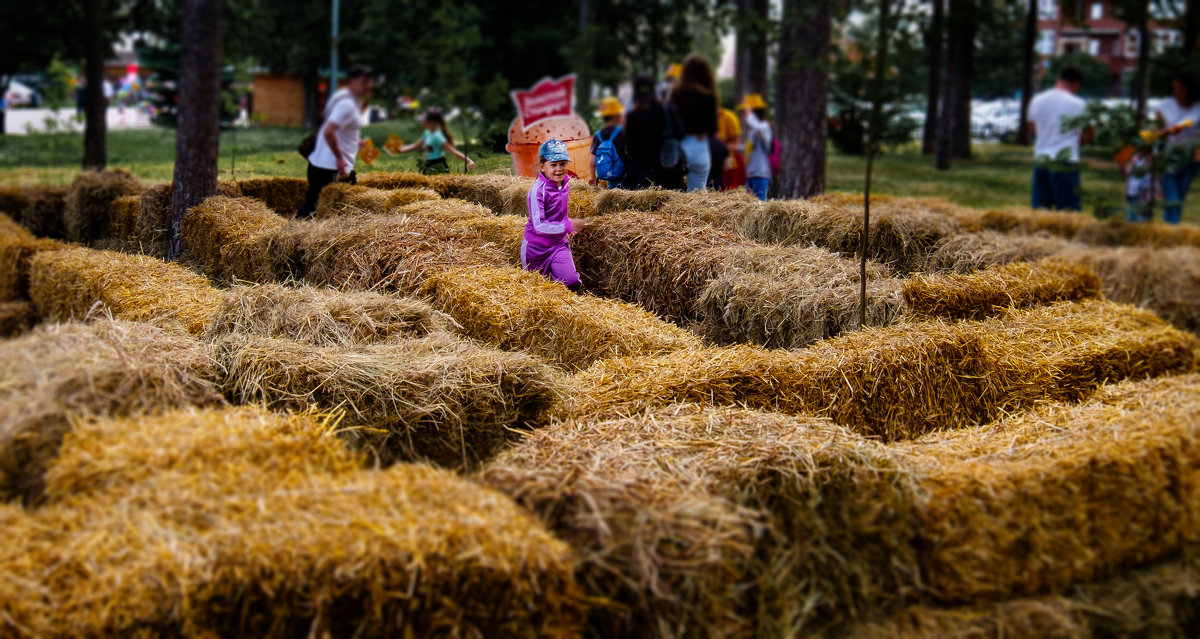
20,121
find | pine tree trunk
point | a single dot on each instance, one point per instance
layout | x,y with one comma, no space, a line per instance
95,153
196,140
801,96
944,144
750,65
934,38
583,81
1023,137
1191,27
3,114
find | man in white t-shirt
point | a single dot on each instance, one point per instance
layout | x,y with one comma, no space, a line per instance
1056,183
337,139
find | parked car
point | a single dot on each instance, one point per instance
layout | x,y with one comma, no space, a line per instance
20,94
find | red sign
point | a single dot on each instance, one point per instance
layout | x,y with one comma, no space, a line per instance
547,99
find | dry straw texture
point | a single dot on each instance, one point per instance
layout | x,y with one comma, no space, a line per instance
1164,280
85,213
122,217
519,310
246,524
16,318
153,226
979,294
340,198
502,194
284,195
726,522
42,210
395,181
905,380
969,252
386,254
901,237
109,367
1157,601
17,248
437,398
669,513
323,317
506,231
234,239
789,297
71,283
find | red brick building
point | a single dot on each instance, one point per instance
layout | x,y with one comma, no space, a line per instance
1091,28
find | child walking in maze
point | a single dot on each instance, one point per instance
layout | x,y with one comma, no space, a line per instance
436,142
545,249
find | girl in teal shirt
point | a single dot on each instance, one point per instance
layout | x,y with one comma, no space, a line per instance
436,141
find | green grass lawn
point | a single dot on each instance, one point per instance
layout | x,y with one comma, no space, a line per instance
998,174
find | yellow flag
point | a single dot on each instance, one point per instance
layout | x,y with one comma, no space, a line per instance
368,152
393,144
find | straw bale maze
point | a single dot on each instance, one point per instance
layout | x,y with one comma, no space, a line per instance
373,423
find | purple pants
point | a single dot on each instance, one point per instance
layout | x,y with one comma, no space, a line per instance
554,261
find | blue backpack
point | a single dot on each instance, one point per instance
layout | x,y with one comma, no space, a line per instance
608,164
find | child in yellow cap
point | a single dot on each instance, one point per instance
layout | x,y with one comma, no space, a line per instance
610,150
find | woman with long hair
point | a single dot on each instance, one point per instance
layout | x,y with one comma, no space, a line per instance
695,97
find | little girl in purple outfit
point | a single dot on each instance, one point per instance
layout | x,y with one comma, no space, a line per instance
545,248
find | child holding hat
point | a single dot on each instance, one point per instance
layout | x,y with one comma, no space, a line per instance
758,144
545,248
610,141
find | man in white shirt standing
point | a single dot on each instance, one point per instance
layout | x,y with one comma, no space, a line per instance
337,139
1056,183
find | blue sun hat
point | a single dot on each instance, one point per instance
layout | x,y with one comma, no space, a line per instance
553,150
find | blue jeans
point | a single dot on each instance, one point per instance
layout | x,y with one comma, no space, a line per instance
758,186
1174,189
699,160
1056,189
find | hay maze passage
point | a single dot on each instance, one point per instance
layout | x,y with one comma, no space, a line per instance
374,423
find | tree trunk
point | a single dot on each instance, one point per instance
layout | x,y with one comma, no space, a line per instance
872,148
3,112
1023,137
751,60
965,25
801,96
1191,27
583,82
1143,64
196,140
949,114
95,153
934,38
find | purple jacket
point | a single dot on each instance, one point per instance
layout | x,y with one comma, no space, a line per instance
548,222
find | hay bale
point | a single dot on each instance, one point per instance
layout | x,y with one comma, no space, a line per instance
17,248
122,217
246,524
16,318
323,317
42,211
618,200
74,282
893,383
1118,232
85,214
1155,601
901,381
518,310
233,238
284,195
670,514
152,230
1066,225
901,238
660,262
845,527
60,372
505,231
499,193
1164,280
969,252
1019,285
340,198
12,200
1065,351
789,297
395,181
384,254
725,209
437,398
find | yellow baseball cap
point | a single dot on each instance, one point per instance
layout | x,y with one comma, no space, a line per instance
752,101
611,106
674,71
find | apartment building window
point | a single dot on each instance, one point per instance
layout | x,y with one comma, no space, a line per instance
1097,10
1045,42
1047,9
1132,38
1094,47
